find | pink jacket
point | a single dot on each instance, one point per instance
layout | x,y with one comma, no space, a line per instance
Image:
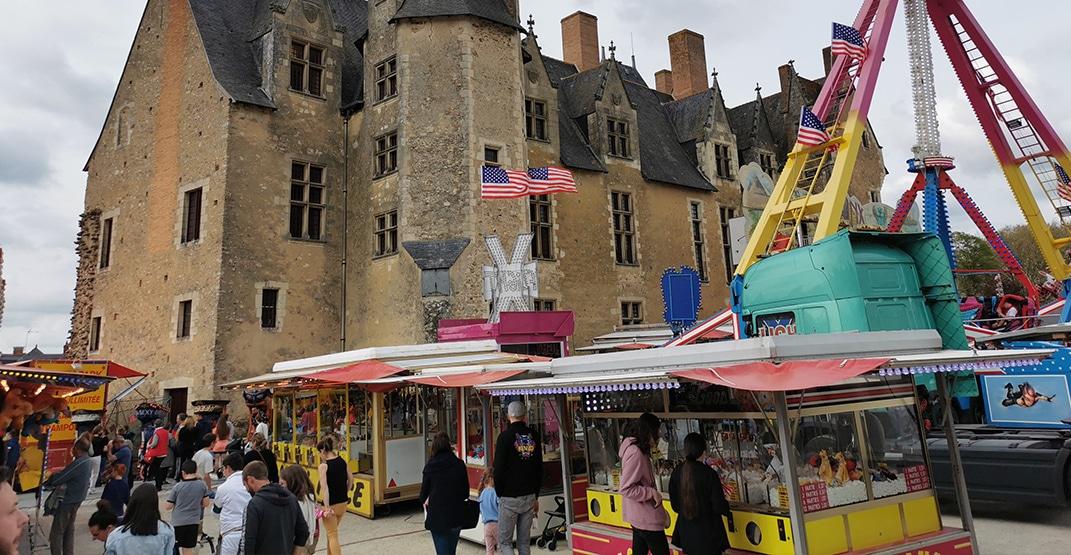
641,500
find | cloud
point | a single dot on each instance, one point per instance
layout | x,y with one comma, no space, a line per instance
23,158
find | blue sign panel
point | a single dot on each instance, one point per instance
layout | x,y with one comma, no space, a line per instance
681,296
1027,400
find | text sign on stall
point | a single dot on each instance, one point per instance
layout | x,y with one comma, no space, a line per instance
814,497
917,478
90,400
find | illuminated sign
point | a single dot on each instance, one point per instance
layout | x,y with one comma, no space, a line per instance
783,323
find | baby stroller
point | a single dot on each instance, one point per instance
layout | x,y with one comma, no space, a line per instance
554,528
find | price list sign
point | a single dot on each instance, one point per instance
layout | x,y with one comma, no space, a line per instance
814,497
917,478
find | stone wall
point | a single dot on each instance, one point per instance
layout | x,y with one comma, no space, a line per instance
87,247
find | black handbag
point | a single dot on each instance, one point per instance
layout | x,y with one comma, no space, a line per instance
470,514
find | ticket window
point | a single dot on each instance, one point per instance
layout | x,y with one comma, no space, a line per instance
333,417
442,407
359,418
473,428
283,418
306,419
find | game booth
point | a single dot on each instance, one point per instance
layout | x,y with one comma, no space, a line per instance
817,439
386,403
38,405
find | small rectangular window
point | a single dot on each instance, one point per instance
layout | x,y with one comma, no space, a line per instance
387,79
269,307
535,119
543,305
386,154
185,319
386,234
307,201
94,334
191,215
106,243
539,215
490,156
617,135
726,214
306,68
723,160
875,196
695,213
624,231
631,313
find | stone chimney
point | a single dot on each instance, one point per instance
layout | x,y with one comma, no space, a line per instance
664,81
18,351
688,60
827,58
580,40
786,73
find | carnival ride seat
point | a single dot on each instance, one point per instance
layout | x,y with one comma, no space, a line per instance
555,526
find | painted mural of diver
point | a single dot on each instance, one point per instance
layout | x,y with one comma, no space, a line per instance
1026,397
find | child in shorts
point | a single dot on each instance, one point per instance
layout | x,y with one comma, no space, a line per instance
187,502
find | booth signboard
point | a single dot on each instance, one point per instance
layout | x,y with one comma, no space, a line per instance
1027,400
90,400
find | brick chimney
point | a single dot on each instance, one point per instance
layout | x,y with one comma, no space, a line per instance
18,351
688,60
785,73
580,40
827,58
664,81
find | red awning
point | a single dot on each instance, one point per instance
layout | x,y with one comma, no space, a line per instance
467,379
790,375
119,371
633,346
356,373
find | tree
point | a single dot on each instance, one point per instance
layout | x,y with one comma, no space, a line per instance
974,253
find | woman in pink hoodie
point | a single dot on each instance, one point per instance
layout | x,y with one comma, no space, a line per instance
642,502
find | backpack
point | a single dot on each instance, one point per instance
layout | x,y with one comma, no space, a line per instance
310,512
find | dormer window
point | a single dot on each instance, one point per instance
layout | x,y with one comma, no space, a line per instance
306,68
767,164
617,135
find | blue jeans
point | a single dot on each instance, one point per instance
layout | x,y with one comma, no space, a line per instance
446,541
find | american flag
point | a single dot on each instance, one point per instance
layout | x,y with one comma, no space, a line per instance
848,41
812,131
500,183
1063,186
550,180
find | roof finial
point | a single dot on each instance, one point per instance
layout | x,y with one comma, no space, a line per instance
792,64
758,88
613,51
531,26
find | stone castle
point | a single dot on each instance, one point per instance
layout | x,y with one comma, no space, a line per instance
286,178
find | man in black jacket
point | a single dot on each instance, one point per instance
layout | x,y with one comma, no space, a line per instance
518,471
273,521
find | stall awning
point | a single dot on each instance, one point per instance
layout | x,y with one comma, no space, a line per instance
789,375
356,373
468,379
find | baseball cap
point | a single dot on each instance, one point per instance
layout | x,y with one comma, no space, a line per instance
516,409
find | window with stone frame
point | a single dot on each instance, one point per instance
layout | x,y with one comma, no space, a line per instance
724,215
191,215
386,154
723,161
535,119
624,228
695,217
875,196
307,68
269,308
540,216
543,305
94,333
106,228
767,164
490,156
387,79
631,313
308,203
386,234
185,319
617,135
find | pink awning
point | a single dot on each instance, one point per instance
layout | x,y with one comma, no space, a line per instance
467,379
356,373
789,375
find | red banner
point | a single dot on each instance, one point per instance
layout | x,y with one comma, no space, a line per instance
917,478
959,546
814,497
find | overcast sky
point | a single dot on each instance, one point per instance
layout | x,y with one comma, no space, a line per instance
63,58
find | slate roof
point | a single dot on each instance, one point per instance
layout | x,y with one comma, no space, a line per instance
491,10
662,158
690,115
558,70
435,255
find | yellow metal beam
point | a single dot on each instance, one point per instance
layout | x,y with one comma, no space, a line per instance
1039,228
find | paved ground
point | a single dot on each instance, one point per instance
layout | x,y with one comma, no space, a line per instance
1002,530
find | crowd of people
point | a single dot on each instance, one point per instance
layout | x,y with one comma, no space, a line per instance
263,510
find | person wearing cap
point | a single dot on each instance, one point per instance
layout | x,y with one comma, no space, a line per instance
518,473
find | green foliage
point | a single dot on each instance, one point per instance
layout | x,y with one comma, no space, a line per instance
974,253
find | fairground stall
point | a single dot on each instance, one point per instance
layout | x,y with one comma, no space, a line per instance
385,404
816,438
37,410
